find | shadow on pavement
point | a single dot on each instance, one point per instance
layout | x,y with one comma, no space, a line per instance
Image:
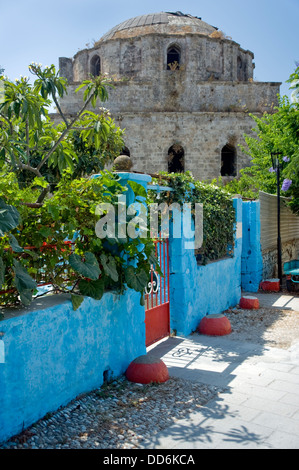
217,361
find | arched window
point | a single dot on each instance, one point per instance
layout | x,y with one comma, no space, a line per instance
228,161
176,159
241,69
95,66
173,58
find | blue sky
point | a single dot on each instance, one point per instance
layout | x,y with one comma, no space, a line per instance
34,30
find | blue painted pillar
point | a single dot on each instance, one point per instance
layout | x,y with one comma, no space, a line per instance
196,291
239,231
252,260
183,283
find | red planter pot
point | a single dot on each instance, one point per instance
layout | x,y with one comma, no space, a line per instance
271,285
146,369
247,302
215,325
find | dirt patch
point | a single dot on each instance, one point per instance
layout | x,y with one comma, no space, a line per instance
272,326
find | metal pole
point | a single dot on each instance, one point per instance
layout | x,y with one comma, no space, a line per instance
279,264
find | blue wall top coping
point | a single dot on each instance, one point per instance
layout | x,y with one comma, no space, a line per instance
156,187
138,177
48,301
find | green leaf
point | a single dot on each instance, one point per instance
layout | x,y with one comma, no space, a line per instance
136,279
76,300
53,211
40,182
142,303
138,189
45,231
83,84
109,266
2,155
14,244
94,289
9,217
35,256
88,268
24,283
26,296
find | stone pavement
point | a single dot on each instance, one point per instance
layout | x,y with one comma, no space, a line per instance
259,405
276,299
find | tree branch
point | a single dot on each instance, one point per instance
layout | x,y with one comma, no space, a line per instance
34,205
22,166
59,109
42,195
65,132
27,139
8,122
82,128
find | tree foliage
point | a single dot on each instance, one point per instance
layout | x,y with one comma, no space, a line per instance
47,202
294,84
32,145
56,243
275,133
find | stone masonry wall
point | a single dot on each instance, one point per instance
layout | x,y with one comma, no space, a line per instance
145,56
203,123
202,106
202,136
175,95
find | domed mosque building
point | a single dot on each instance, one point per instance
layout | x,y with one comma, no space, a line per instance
183,92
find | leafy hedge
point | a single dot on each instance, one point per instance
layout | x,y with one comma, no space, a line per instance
35,241
218,211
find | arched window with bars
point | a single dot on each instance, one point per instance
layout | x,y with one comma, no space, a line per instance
173,58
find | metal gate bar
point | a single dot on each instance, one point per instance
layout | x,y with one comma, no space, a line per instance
157,321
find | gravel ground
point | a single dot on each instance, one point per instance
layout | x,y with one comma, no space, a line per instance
121,415
124,415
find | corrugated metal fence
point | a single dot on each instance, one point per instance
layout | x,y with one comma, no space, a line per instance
289,222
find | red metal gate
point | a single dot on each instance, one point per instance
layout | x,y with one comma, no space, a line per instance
157,320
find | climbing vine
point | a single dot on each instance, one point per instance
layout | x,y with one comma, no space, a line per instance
218,211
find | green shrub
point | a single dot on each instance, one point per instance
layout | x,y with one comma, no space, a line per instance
36,248
218,211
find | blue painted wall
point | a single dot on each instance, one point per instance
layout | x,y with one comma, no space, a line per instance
252,259
196,290
53,354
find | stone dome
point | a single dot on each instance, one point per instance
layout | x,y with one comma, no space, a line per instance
160,23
